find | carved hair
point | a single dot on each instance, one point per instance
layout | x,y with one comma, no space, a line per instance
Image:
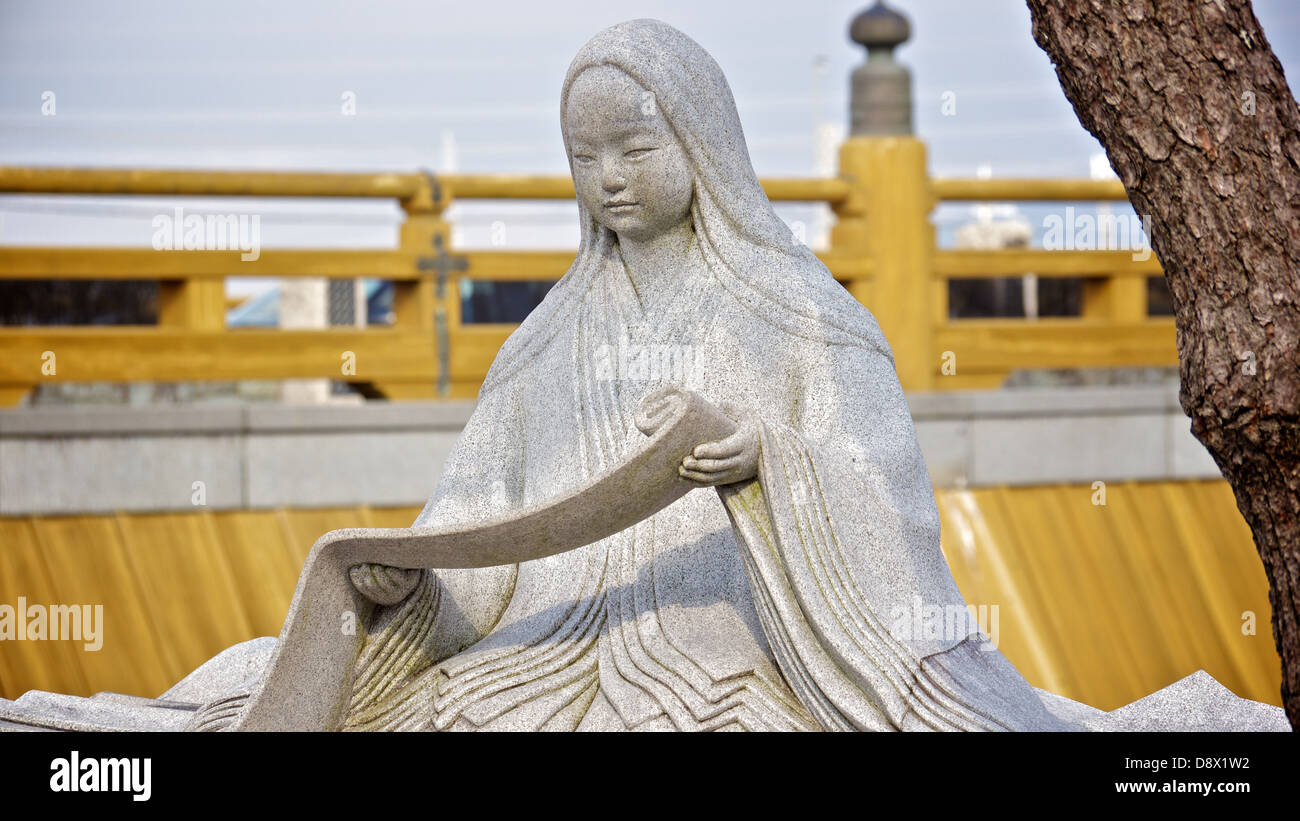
749,249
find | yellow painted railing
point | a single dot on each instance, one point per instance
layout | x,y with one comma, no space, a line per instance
882,250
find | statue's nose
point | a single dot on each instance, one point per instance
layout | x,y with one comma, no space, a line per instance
612,178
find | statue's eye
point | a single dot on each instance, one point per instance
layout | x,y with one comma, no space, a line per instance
638,153
583,159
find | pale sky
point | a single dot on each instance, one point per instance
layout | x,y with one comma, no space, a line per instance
249,84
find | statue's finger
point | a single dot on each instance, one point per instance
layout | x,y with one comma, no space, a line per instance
383,584
695,476
709,465
720,449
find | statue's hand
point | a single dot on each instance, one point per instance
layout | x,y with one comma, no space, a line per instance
726,461
383,584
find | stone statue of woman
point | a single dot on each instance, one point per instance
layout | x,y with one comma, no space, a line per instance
743,570
765,605
771,602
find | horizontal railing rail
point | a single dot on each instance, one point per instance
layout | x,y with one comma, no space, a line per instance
882,249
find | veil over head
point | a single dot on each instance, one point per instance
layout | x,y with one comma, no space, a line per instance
749,249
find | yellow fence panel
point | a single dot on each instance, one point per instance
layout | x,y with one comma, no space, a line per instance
1103,603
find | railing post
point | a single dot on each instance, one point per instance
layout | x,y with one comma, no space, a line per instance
417,303
1117,299
851,233
887,214
197,304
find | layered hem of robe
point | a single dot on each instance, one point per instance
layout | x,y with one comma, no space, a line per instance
835,653
830,643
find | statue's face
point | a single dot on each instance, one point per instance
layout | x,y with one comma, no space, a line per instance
628,168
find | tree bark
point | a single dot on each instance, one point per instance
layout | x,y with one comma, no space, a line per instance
1197,120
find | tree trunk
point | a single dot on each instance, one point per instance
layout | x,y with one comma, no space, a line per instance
1196,117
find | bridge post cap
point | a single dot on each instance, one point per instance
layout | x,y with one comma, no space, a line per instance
880,27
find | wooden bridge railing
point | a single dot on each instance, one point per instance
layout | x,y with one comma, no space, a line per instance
882,249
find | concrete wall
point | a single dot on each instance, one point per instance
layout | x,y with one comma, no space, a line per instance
1042,436
87,459
247,456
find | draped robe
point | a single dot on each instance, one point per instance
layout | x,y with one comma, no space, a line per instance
762,605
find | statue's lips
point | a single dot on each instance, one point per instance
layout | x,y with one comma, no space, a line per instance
619,207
